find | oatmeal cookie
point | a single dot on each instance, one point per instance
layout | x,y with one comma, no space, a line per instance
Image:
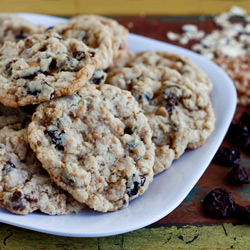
24,185
179,114
44,66
95,35
119,31
239,70
14,28
164,59
95,144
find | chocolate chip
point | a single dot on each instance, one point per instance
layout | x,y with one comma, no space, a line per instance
238,175
79,55
56,138
227,156
219,203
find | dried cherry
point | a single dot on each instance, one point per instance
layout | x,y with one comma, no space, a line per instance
239,135
227,156
242,213
245,119
219,203
238,175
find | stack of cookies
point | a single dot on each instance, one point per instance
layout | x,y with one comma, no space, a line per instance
84,122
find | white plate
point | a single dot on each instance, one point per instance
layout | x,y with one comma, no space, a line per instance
169,188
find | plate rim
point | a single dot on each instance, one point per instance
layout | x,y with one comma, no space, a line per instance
164,212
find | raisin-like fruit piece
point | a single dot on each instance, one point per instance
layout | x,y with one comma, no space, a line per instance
53,65
56,138
245,119
239,135
9,167
219,203
79,55
8,66
143,96
242,213
227,156
32,76
34,92
236,131
136,186
128,131
49,28
20,37
92,53
16,200
98,77
173,96
238,175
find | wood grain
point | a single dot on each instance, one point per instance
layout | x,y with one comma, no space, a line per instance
189,237
122,7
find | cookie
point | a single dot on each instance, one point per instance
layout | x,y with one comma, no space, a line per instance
163,59
42,67
119,31
180,115
14,28
24,185
94,34
95,144
239,71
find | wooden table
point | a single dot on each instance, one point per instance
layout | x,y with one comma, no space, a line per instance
187,227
